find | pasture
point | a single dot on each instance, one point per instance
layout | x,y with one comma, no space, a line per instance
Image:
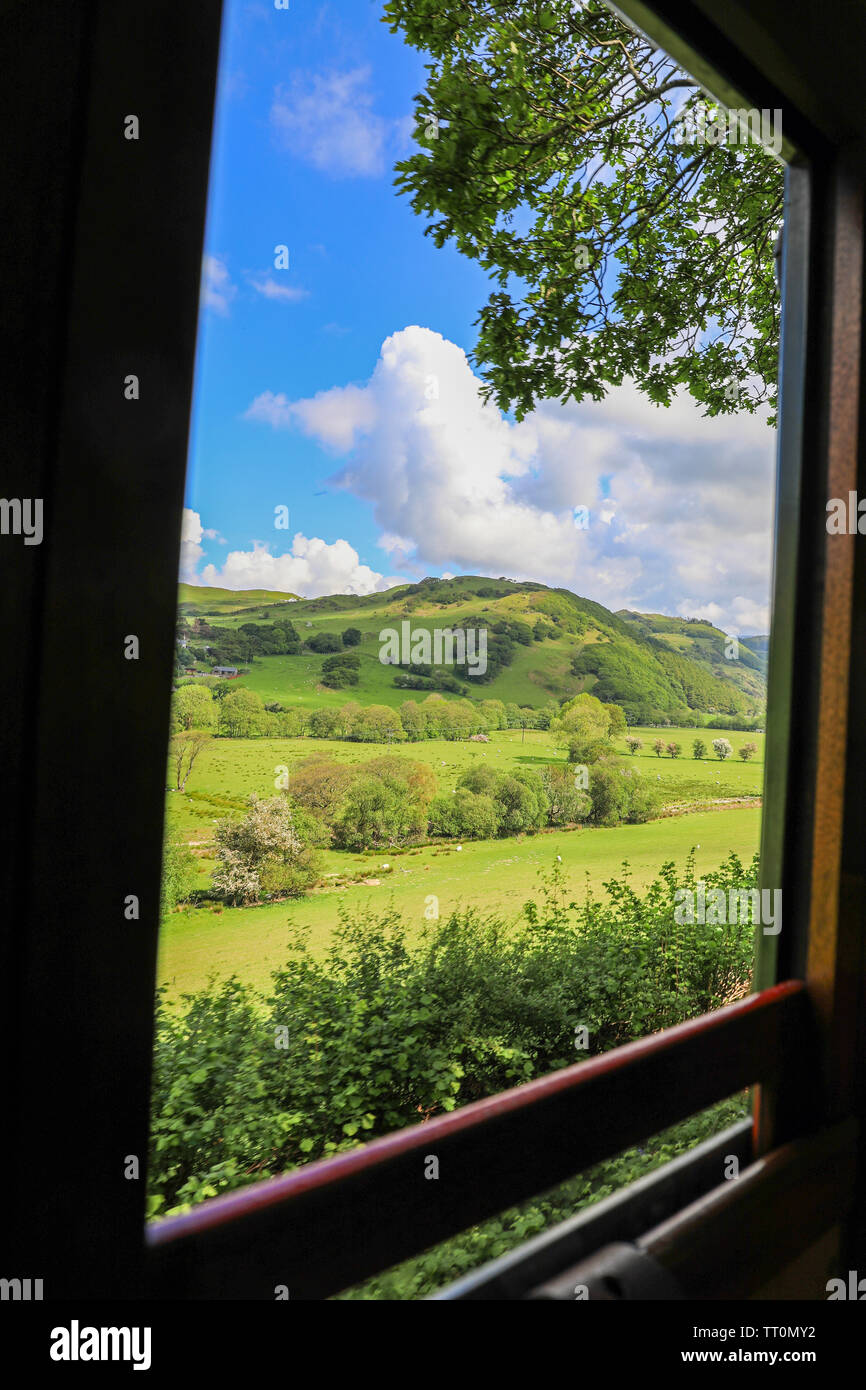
493,876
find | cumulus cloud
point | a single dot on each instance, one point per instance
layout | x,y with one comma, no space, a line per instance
335,418
311,568
328,120
191,550
680,505
217,289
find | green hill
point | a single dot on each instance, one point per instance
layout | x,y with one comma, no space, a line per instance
197,599
709,646
544,645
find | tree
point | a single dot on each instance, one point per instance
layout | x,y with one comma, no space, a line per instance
618,723
324,723
699,749
413,717
341,670
659,747
378,724
193,708
184,751
319,784
521,800
567,802
351,637
633,743
465,815
673,750
378,813
268,851
548,154
324,642
241,714
748,751
494,713
178,875
722,748
584,719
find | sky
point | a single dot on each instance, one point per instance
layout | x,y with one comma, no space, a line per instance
338,440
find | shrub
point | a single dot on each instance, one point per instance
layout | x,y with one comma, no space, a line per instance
269,851
178,875
324,642
748,751
633,743
465,815
388,1026
722,748
567,803
699,749
378,813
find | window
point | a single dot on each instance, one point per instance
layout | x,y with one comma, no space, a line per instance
124,285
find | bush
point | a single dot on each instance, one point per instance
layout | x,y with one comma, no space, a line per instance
699,749
378,813
465,815
178,875
722,748
324,642
269,852
567,803
620,794
388,1026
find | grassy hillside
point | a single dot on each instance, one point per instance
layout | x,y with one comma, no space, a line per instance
559,645
195,599
707,645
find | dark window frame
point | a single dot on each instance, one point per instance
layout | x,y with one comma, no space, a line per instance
120,228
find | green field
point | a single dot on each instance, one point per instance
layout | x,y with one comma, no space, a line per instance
492,875
498,875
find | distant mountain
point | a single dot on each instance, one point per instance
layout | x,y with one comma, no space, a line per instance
545,644
759,645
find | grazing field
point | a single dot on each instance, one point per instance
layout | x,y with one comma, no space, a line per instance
229,770
497,875
492,875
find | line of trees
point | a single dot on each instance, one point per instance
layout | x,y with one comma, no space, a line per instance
236,712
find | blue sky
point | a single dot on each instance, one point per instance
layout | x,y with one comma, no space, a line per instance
339,387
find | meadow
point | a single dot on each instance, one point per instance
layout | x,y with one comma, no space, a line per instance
493,876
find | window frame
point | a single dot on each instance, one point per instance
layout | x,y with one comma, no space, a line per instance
120,226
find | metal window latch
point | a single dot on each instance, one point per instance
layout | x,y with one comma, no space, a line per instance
615,1273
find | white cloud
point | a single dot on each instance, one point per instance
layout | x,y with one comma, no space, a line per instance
311,568
270,288
679,504
191,550
328,120
217,289
336,418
